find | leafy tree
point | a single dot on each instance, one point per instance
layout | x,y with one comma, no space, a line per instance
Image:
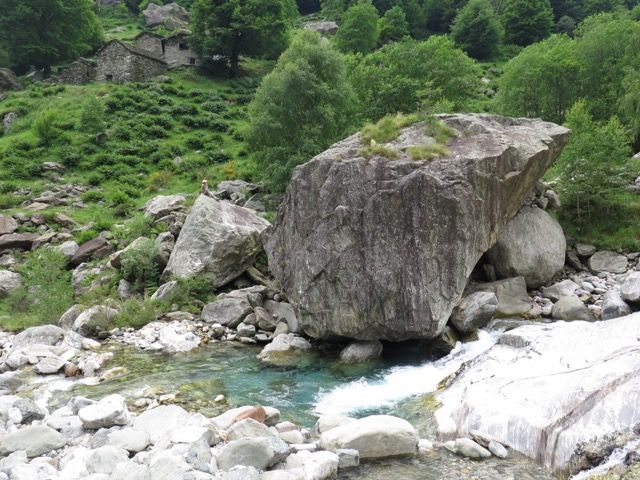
566,25
542,81
527,21
359,29
629,104
607,46
591,7
241,27
41,33
441,13
476,30
332,9
393,25
413,10
562,8
635,13
303,106
401,76
595,160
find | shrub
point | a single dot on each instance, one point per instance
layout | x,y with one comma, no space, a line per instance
93,196
378,150
139,266
92,116
45,129
386,129
137,312
427,152
159,180
138,225
70,157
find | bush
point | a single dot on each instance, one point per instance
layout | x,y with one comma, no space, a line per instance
137,312
359,29
46,292
139,266
70,157
92,116
138,225
45,129
387,128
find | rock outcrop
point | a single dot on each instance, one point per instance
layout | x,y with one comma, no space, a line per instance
372,248
171,16
218,238
544,388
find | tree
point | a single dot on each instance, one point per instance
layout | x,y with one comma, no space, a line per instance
359,29
393,25
441,13
595,160
42,33
476,30
527,21
566,25
304,105
92,116
231,28
542,81
413,10
401,76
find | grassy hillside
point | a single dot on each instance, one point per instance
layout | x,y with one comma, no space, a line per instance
161,137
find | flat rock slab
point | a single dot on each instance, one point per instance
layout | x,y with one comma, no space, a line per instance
544,388
372,248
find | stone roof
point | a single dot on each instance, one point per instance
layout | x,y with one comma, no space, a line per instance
133,49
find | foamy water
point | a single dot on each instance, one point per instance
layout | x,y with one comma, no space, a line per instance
400,383
616,458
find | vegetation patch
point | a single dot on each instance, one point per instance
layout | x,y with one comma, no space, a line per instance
386,129
378,150
427,152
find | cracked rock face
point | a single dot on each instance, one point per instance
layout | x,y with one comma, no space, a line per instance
535,395
372,248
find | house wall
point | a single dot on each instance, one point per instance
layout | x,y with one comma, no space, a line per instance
176,57
117,64
79,72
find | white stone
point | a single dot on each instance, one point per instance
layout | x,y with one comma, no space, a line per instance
109,411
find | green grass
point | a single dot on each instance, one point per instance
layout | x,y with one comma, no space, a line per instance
610,223
427,152
386,129
119,23
378,150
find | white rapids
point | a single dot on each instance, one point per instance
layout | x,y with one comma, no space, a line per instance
616,458
400,383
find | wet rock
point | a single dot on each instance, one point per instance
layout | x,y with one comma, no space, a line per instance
532,245
474,311
466,447
497,449
109,411
163,205
173,340
348,458
284,312
328,422
613,306
583,386
228,312
360,352
284,349
316,465
561,289
376,436
49,365
571,308
630,288
608,262
94,249
218,238
9,281
340,244
35,440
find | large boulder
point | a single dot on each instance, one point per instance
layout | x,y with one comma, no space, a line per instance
17,241
95,321
218,238
163,205
474,311
377,436
7,225
545,388
613,306
531,245
36,440
171,16
372,248
95,248
606,261
571,308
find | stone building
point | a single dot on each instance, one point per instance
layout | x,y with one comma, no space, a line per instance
177,52
121,63
151,42
78,73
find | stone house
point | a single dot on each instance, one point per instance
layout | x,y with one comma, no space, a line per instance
173,49
80,72
120,62
177,52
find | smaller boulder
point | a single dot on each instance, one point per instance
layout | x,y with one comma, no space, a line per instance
227,311
361,351
7,225
561,289
106,413
95,320
585,249
613,306
606,261
9,281
96,248
474,311
630,288
163,205
35,440
284,349
571,308
466,447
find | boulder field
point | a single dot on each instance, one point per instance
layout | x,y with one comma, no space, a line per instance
372,248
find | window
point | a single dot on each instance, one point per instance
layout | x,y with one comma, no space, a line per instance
182,46
192,61
109,78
